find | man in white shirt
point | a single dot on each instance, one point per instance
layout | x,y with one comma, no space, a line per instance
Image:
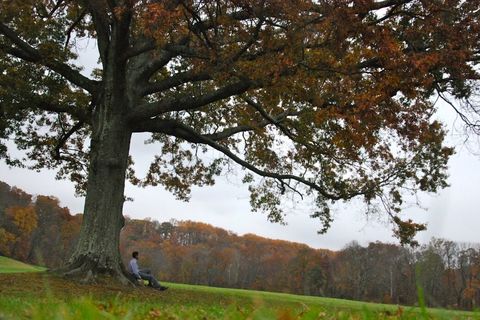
144,274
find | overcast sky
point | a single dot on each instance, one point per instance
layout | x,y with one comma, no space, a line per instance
454,213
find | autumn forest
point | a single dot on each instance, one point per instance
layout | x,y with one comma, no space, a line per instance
36,229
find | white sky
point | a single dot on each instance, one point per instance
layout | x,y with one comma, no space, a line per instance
453,214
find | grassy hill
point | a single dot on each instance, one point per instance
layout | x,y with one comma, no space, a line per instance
8,265
39,295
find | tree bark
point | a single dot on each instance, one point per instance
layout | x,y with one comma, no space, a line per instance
97,251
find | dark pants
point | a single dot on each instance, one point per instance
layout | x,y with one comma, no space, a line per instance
145,274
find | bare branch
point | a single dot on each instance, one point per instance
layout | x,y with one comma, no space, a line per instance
474,126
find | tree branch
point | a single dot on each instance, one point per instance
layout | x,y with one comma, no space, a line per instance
190,76
28,53
45,105
57,156
179,48
149,110
175,80
206,25
74,24
271,120
200,23
154,61
157,125
377,5
140,47
55,8
182,131
474,126
277,121
16,52
102,26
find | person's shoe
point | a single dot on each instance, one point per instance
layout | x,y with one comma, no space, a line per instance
160,288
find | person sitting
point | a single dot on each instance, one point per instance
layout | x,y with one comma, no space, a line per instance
143,274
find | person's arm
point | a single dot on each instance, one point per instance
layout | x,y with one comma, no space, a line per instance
134,266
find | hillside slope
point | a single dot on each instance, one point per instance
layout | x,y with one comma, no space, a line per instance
8,265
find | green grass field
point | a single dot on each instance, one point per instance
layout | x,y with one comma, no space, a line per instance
39,295
13,266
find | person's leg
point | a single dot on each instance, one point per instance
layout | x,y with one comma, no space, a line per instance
155,283
151,279
147,271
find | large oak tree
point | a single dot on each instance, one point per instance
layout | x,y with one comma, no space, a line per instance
330,100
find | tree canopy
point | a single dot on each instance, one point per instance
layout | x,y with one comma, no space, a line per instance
324,99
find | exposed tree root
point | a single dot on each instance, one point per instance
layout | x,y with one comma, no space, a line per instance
93,271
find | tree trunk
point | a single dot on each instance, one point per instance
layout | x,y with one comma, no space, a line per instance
98,248
97,251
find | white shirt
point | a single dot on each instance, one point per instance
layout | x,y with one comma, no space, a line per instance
133,266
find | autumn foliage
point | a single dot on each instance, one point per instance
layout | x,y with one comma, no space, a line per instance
31,227
198,253
327,100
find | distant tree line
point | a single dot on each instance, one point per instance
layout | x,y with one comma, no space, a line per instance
37,230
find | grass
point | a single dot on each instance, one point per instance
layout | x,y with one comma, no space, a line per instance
39,295
8,265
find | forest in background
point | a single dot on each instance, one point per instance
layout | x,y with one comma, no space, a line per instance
36,229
